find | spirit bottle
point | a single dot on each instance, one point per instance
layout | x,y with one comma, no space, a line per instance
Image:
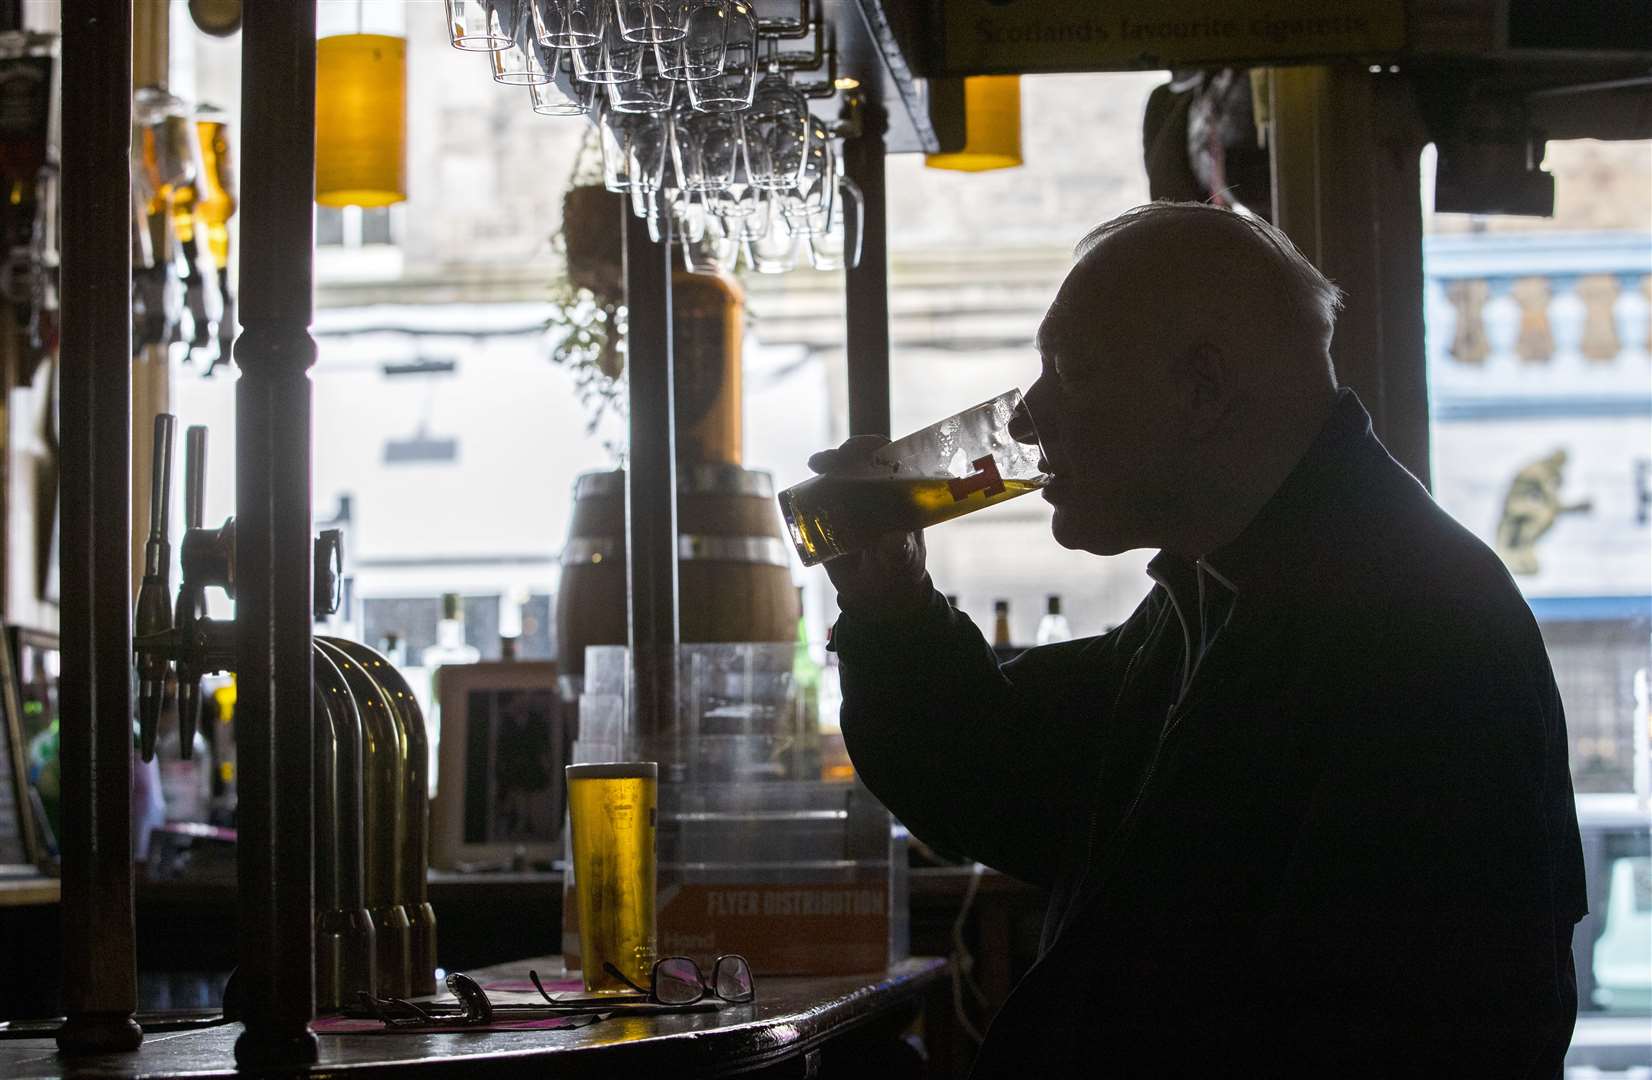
1053,626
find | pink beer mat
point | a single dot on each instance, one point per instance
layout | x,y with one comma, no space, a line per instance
344,1025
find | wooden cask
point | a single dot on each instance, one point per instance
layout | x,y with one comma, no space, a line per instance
734,578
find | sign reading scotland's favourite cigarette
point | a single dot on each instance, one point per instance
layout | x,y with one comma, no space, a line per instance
1020,36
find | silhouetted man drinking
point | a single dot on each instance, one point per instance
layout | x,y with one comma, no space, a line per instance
1307,812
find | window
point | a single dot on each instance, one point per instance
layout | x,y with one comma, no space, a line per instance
354,226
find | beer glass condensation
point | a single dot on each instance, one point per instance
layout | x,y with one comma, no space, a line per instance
949,469
611,810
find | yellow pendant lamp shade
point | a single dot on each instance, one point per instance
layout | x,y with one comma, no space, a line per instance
361,120
992,126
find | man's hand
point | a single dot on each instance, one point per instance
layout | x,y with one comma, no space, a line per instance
888,578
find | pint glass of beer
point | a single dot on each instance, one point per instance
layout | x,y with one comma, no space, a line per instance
611,812
951,468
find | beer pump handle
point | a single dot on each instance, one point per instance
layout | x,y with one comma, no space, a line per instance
329,572
191,597
195,448
153,620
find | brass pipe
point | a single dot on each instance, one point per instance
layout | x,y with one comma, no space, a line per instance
384,779
345,938
415,861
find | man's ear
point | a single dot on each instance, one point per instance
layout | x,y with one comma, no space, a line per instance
1204,387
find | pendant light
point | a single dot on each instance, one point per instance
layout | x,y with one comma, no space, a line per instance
361,119
992,126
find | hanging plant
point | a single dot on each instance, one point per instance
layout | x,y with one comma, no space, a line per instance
588,320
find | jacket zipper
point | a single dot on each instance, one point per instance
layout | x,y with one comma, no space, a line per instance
1095,809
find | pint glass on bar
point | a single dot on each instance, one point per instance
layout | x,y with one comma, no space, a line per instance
949,469
611,812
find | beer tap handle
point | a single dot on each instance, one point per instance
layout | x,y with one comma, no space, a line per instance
329,572
153,620
191,596
195,448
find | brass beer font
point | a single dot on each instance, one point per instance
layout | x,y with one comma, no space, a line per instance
375,930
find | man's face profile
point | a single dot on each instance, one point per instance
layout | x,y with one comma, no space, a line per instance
1100,416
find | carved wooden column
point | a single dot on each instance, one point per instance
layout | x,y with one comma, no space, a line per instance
99,953
273,721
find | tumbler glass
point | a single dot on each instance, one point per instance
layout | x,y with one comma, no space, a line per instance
715,252
774,250
653,21
480,25
699,54
838,246
730,87
555,99
568,24
949,469
527,61
651,93
611,58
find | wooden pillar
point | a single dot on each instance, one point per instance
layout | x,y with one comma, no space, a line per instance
99,954
866,287
273,721
651,482
1346,188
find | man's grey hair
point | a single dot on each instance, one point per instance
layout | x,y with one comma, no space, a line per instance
1309,294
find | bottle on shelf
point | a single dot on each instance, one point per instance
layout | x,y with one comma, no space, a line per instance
1053,626
450,647
1001,624
806,673
394,649
186,783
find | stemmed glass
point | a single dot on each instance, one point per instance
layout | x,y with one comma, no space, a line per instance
777,134
568,24
808,206
709,149
480,25
729,87
651,93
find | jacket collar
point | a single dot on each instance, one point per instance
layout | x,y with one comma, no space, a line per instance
1280,539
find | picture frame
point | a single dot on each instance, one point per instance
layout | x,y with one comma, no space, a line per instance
503,740
20,849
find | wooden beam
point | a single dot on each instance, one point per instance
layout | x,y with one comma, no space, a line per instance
1346,145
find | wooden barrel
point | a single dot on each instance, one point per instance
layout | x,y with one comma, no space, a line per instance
734,578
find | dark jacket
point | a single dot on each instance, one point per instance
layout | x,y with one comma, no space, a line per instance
1306,813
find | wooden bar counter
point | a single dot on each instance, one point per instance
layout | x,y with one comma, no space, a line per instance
796,1027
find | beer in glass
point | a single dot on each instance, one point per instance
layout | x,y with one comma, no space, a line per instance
951,468
611,810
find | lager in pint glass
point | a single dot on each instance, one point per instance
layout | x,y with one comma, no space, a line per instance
949,469
611,810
